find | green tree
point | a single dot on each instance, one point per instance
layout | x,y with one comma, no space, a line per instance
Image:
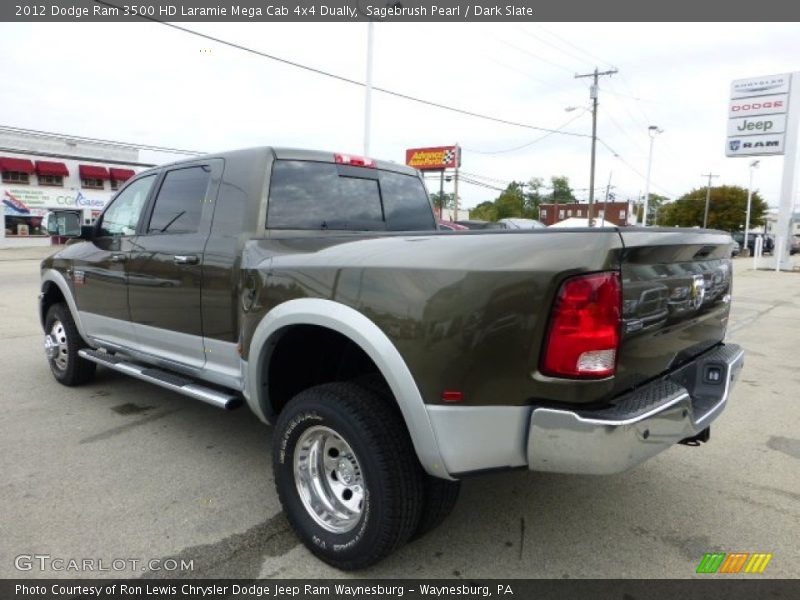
533,197
510,203
485,211
562,192
441,201
726,209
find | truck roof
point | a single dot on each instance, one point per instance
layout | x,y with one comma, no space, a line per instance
281,153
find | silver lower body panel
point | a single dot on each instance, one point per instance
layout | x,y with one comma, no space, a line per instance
637,425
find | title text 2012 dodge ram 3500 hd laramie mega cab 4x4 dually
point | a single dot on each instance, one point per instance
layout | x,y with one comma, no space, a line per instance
393,359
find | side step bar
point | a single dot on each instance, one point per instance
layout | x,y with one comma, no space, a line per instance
171,381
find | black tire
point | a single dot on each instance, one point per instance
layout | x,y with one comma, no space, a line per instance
385,463
439,496
68,368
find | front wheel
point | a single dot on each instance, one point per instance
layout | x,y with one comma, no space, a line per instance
61,344
347,475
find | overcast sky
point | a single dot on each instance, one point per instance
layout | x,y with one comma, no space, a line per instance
150,84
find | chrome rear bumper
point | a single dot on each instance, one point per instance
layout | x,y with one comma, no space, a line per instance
640,425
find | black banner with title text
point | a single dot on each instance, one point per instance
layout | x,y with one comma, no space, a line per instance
389,589
395,10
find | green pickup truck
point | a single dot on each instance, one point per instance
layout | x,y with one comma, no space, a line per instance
392,359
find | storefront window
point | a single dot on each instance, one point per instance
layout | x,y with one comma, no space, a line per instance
24,226
51,180
92,183
15,177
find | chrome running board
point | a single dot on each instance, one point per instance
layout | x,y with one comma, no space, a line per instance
166,379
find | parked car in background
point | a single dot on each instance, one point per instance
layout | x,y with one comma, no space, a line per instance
795,247
478,224
517,223
736,248
450,226
768,243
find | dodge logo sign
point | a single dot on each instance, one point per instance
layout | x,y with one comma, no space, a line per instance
735,145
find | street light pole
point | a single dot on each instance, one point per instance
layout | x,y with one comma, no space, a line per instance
368,89
593,91
708,197
652,131
753,167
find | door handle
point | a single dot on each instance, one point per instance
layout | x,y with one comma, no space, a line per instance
118,258
184,259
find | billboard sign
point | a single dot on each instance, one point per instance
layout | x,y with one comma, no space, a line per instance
757,114
434,159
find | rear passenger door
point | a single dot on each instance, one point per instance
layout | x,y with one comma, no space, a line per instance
166,264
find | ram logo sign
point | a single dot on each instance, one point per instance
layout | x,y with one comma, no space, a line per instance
733,563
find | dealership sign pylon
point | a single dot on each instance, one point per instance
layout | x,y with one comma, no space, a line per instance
763,120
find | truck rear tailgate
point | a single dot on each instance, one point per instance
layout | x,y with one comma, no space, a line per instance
676,287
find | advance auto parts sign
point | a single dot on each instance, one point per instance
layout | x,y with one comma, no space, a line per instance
437,158
757,113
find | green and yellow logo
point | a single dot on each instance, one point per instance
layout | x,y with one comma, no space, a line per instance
735,562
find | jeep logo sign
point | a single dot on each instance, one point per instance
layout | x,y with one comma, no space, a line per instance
755,125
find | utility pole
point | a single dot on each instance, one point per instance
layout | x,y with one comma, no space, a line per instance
708,197
593,95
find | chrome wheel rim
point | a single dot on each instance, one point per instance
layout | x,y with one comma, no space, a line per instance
55,346
329,479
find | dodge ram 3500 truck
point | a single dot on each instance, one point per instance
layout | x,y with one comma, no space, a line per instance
393,359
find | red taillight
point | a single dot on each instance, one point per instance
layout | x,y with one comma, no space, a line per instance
584,327
356,161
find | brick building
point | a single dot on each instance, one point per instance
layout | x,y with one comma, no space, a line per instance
617,213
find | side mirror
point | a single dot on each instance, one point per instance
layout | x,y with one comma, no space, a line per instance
64,224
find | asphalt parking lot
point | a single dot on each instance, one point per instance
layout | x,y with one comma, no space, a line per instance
120,469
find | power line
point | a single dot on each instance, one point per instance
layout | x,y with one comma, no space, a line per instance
544,41
592,57
632,168
532,142
536,56
346,79
623,131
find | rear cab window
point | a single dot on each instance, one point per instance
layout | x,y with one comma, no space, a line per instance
179,204
326,196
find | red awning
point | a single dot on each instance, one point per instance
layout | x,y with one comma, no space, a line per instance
21,165
121,174
55,169
93,172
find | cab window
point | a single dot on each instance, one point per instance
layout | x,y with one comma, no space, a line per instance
122,216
